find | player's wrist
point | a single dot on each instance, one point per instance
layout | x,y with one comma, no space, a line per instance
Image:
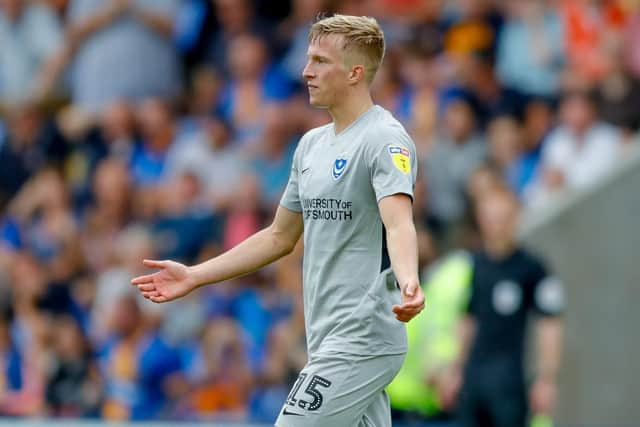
193,280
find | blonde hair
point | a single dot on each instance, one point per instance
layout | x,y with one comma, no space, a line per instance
362,37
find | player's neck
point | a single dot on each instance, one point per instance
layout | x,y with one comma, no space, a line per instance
348,111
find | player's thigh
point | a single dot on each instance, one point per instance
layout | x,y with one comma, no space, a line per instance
336,390
378,413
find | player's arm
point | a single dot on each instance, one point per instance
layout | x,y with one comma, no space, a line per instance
175,280
549,351
402,243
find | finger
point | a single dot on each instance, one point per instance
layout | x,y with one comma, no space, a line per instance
147,287
413,307
154,263
416,303
141,280
407,308
151,294
404,319
407,313
159,299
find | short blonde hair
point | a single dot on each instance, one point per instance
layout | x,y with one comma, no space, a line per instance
362,36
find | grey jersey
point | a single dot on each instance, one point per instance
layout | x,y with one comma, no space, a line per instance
336,183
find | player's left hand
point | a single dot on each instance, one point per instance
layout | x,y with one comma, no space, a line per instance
412,302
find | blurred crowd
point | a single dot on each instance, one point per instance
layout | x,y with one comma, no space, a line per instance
133,129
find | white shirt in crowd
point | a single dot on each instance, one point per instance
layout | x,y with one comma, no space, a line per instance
583,160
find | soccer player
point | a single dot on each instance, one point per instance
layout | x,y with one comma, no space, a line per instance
350,190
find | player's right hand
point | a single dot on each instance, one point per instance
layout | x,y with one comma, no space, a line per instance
170,282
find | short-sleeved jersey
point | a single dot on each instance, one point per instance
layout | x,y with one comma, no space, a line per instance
336,183
503,293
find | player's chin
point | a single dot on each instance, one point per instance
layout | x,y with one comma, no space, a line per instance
316,102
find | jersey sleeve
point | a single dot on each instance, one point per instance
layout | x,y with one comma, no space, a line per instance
548,292
291,197
394,165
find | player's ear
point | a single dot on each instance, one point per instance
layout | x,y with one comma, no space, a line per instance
356,74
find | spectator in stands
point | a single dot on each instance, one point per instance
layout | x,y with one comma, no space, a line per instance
219,374
234,17
538,121
205,86
591,26
531,49
254,83
459,149
19,395
74,387
111,283
504,137
30,143
110,211
30,33
138,366
273,160
507,283
185,221
48,226
475,28
489,97
631,45
26,343
617,94
580,152
119,47
212,157
113,136
158,132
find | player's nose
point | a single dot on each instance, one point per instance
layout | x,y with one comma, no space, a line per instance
307,72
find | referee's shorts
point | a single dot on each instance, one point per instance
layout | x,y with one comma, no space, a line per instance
497,404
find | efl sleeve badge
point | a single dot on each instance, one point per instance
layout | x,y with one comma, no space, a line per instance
401,158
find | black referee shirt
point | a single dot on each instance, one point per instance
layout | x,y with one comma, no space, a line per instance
504,292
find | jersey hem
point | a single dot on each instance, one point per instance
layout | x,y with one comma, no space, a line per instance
341,350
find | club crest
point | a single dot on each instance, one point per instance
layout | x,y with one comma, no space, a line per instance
339,167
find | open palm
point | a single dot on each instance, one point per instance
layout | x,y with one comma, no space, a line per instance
170,282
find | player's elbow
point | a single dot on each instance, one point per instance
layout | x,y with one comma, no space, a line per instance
283,242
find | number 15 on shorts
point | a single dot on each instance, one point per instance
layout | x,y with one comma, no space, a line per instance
314,390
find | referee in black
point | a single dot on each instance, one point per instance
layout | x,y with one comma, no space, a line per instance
508,284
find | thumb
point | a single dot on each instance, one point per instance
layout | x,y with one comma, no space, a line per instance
410,289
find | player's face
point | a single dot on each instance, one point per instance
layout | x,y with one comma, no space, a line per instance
326,74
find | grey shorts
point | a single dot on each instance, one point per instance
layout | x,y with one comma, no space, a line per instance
341,390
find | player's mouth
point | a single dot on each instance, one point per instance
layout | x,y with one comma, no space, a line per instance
311,87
